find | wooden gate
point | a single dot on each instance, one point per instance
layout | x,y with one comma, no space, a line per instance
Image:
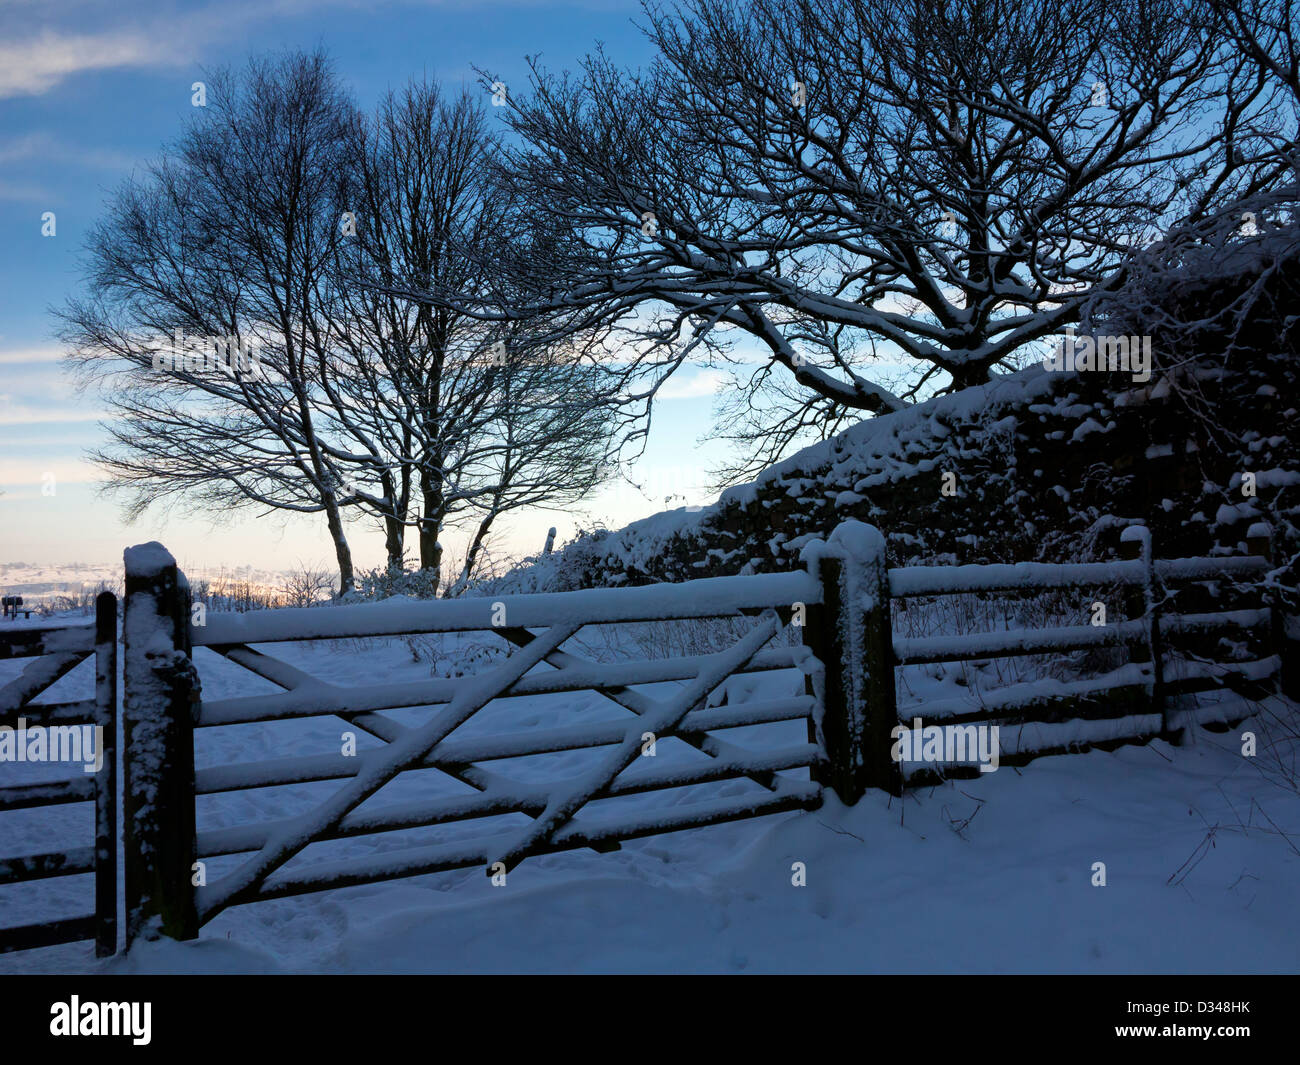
55,652
163,706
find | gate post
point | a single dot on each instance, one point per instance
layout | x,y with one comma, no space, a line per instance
106,778
161,695
1145,603
853,637
1284,628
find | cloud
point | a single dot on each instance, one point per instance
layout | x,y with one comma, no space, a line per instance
21,409
25,193
17,414
15,356
704,383
44,148
36,65
15,475
32,65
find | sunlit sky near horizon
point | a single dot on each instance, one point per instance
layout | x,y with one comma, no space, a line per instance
89,90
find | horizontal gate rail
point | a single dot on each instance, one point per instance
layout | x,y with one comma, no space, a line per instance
54,793
303,769
315,698
38,640
792,795
47,865
705,598
908,581
1016,642
430,812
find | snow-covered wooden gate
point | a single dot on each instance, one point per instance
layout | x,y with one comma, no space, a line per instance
166,856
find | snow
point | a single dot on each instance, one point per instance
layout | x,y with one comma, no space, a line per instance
942,580
890,889
1015,641
147,560
857,540
984,875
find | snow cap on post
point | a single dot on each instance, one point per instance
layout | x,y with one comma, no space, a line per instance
1259,539
857,539
147,560
1135,542
852,539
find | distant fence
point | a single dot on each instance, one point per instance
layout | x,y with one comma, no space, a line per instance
1137,703
848,654
55,652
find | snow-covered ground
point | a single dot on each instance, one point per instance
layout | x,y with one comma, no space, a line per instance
988,875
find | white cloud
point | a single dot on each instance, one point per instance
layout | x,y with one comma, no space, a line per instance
15,475
44,148
704,383
36,65
30,355
24,193
15,414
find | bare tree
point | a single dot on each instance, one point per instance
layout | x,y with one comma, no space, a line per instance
283,219
231,235
468,420
850,185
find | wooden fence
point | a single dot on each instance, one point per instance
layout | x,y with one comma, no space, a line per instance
55,652
844,599
1138,702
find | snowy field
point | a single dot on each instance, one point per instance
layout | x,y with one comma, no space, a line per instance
989,875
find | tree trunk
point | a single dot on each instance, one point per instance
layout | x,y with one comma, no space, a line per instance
471,556
431,521
347,580
969,376
394,524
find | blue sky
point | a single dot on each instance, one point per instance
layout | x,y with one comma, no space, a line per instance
88,90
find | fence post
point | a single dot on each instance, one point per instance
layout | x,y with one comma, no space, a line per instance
1145,602
853,637
1284,629
158,745
106,778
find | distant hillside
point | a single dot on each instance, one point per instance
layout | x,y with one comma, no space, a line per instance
46,582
